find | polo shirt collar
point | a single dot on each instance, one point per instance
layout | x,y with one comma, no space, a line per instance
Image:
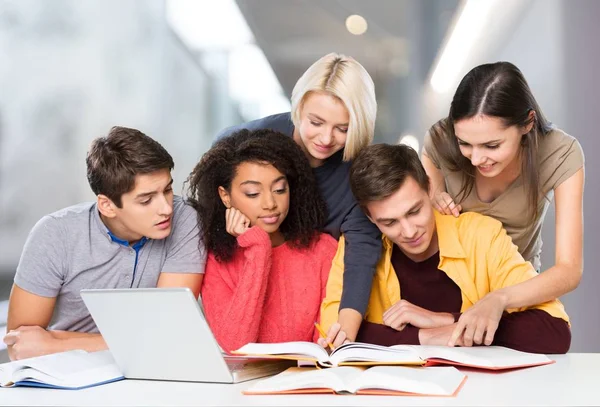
138,245
109,235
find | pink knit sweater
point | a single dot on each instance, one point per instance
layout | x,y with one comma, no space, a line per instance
266,294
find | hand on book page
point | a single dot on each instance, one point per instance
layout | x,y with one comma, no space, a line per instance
352,353
389,380
334,338
74,369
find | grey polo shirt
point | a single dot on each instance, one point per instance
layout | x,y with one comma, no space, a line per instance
72,249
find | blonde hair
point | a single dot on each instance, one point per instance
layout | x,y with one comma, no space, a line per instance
344,78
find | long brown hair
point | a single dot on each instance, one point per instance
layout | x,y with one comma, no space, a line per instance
497,90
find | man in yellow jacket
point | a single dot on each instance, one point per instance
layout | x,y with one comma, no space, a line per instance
433,267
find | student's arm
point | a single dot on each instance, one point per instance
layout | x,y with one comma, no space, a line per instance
558,280
441,200
566,273
533,330
410,335
407,324
38,281
506,269
40,275
327,249
233,293
383,335
25,308
186,256
333,294
436,176
28,317
193,281
361,254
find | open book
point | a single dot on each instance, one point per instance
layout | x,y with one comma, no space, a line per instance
384,380
73,370
354,353
244,368
357,353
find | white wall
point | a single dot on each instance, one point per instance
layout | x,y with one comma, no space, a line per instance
581,88
69,71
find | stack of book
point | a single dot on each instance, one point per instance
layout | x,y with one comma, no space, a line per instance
360,368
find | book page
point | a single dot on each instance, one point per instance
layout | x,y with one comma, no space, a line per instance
292,350
260,368
491,357
56,364
433,381
374,354
7,370
70,369
298,378
27,373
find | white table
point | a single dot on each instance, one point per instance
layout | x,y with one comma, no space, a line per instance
573,380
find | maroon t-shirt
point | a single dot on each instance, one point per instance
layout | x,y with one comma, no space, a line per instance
426,286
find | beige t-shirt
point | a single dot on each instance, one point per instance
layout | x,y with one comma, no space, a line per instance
560,155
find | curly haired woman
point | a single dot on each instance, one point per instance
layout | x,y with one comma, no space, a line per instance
260,212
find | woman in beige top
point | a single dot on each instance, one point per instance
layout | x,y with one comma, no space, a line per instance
496,154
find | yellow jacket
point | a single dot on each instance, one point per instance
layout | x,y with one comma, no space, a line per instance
475,252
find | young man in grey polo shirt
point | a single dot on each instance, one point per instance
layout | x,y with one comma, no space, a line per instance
136,234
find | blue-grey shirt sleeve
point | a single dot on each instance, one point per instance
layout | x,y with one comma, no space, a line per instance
185,253
41,269
361,254
363,239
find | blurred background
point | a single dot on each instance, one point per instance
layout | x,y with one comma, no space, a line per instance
181,70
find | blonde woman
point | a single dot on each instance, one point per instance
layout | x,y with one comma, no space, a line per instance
332,119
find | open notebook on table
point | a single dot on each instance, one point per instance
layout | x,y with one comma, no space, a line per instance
73,370
378,380
357,353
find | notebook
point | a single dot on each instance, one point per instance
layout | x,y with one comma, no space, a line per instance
378,380
357,353
161,334
76,369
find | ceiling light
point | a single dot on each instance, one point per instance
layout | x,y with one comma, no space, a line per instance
410,141
356,24
474,17
209,25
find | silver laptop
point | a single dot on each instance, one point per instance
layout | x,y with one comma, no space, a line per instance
161,334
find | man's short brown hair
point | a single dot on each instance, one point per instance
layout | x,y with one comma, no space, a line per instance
114,161
379,171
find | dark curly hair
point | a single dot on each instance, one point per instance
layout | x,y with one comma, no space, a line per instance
218,167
